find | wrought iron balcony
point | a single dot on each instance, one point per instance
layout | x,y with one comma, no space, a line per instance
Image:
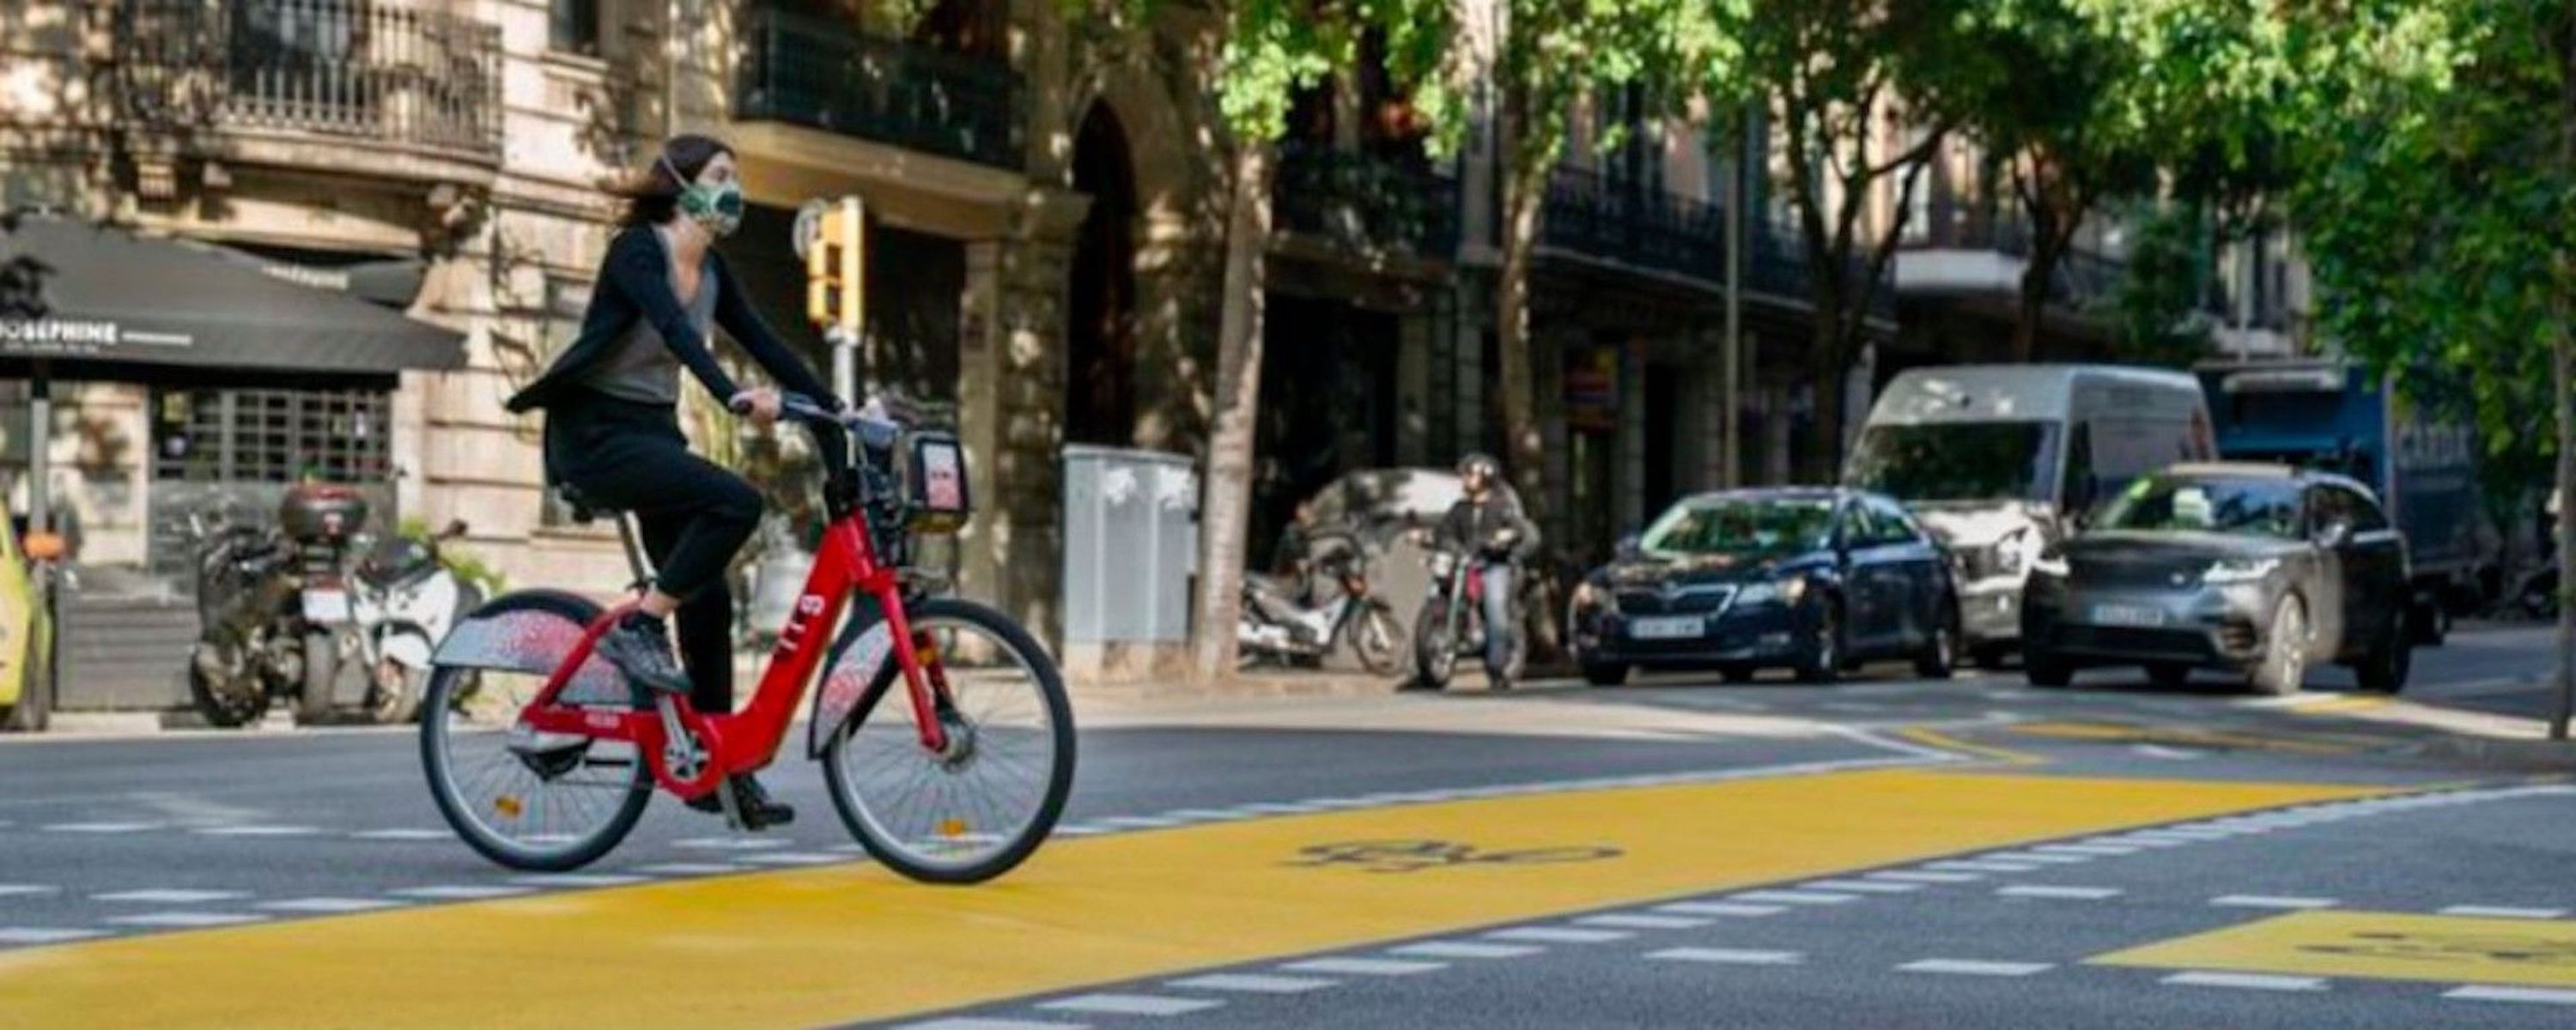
376,71
1591,215
1780,267
1366,202
828,75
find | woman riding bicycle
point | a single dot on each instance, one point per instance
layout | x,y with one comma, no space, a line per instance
612,421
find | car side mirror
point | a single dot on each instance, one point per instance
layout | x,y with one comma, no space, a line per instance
2334,535
1631,547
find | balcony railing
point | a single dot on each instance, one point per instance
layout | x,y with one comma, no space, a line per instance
372,70
2082,277
1591,215
1366,202
828,75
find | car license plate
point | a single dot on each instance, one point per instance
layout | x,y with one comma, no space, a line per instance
326,606
1681,628
2136,615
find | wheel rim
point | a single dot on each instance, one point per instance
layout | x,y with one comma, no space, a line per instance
224,687
1828,642
1945,643
2290,632
1374,638
533,796
956,811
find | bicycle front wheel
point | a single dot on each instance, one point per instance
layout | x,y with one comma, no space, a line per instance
980,808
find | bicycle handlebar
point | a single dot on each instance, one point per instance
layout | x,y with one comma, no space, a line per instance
870,428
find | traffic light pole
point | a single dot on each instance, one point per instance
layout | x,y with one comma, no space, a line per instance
845,362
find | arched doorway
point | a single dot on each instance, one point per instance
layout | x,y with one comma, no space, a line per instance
1100,332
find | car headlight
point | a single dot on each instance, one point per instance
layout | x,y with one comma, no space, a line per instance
2239,570
1785,591
2050,562
2016,552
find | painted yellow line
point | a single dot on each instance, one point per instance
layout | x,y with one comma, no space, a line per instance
1929,737
820,946
2380,946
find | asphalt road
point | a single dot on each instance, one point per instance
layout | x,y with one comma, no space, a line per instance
1760,855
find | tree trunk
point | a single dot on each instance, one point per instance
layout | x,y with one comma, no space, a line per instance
2035,278
1224,520
1524,193
1827,364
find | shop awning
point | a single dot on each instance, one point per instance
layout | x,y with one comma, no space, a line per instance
113,301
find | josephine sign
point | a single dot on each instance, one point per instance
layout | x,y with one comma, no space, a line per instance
78,336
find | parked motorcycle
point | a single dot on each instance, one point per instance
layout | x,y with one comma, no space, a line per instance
404,600
1452,621
246,653
1277,625
321,523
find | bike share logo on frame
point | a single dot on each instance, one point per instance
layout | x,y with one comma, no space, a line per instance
792,639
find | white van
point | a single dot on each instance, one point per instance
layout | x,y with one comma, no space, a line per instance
2000,460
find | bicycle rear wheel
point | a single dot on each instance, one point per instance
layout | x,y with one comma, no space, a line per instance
541,802
985,805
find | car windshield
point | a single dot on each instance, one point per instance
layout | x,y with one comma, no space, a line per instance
2240,507
1740,526
1956,461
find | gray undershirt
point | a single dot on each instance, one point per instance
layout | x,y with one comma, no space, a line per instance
641,367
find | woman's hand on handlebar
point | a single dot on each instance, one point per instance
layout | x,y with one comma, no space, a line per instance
760,404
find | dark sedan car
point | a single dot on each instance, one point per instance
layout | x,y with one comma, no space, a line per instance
2260,569
1814,580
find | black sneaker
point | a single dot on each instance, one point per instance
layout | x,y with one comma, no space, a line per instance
640,646
758,810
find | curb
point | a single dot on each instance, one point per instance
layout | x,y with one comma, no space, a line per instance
2540,755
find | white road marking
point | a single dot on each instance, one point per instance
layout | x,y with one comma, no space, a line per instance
1138,822
794,858
1078,830
2064,893
2035,858
1253,983
1729,956
2170,754
690,868
470,892
1558,935
259,831
2247,981
1130,1004
2486,911
1464,949
101,827
582,879
1981,867
1637,922
1919,876
169,897
330,906
12,890
957,1023
402,834
1363,966
1862,886
2269,901
731,843
1207,815
188,919
44,935
1975,967
2528,995
2091,847
1794,897
1720,908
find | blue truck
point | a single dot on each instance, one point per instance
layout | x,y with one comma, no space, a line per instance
2332,414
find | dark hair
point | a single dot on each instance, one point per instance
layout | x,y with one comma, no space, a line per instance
652,195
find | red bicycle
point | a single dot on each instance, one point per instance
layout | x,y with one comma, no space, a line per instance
542,755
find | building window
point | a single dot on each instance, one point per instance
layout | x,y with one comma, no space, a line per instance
573,27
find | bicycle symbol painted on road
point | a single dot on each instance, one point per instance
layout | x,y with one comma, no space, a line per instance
1413,856
2516,949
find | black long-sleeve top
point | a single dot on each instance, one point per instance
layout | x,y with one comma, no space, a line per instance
635,283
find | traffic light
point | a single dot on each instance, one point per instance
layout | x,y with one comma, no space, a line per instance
836,268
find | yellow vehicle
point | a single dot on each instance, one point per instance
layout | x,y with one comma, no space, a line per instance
26,625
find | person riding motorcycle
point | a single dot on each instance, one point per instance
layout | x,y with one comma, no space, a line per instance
1486,527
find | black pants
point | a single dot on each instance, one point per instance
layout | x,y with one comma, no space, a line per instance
694,515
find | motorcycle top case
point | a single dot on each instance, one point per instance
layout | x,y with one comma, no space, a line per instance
935,482
321,511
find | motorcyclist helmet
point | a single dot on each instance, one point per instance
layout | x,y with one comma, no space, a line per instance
1479,471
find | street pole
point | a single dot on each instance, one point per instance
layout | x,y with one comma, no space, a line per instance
40,433
2563,346
1731,472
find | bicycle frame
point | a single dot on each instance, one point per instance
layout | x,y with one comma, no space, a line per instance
748,740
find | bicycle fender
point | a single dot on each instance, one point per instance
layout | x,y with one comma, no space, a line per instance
530,631
407,645
860,667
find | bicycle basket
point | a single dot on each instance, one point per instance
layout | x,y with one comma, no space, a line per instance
935,485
